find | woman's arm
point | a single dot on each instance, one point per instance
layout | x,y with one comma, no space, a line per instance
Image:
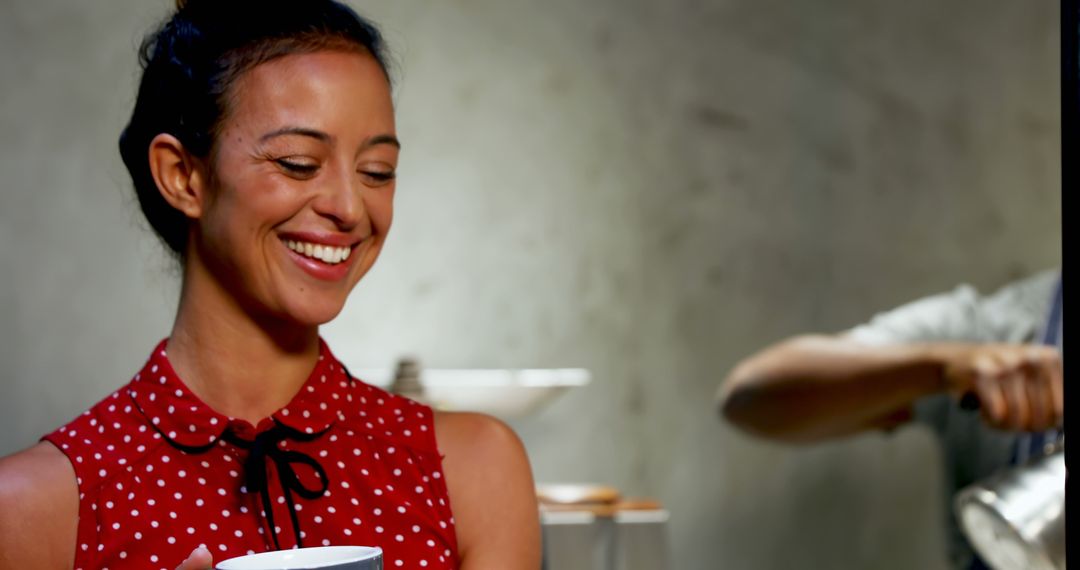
811,388
39,510
491,492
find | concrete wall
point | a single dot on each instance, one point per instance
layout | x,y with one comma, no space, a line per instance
650,190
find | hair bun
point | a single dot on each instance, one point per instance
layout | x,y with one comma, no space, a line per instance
180,4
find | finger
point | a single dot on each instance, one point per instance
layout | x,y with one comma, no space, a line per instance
199,559
1036,381
991,400
1017,405
1055,376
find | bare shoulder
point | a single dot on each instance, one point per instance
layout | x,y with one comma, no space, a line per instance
491,491
468,433
39,509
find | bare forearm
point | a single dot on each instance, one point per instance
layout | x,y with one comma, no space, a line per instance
816,387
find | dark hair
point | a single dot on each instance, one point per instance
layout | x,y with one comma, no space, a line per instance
192,59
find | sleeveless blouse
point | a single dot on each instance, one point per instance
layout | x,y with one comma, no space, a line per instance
344,463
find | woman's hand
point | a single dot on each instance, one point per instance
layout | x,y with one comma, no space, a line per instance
1018,387
199,559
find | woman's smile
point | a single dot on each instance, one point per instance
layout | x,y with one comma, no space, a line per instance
324,257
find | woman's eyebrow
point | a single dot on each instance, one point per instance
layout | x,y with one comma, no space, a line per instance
301,131
383,139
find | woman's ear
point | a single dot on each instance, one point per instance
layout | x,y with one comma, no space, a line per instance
178,175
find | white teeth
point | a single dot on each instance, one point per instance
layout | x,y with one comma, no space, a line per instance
325,253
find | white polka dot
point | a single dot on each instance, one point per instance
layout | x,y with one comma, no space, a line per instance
378,529
416,528
399,538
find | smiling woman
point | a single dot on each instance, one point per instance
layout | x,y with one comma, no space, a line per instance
263,151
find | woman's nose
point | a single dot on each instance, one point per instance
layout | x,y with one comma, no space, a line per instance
341,199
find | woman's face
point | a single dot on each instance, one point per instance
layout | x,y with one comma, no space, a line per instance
301,192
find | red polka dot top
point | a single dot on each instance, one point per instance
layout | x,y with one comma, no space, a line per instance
345,463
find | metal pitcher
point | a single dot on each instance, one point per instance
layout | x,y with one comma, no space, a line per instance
1016,518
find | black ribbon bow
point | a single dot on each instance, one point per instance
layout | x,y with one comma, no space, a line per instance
266,445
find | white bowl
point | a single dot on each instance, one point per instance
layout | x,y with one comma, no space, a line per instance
507,394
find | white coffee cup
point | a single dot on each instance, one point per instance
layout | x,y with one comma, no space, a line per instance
320,557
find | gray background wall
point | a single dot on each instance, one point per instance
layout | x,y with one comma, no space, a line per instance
651,190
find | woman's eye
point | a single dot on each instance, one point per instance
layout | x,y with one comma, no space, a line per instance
380,176
296,167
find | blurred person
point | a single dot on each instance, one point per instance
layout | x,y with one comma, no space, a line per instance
263,151
934,361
